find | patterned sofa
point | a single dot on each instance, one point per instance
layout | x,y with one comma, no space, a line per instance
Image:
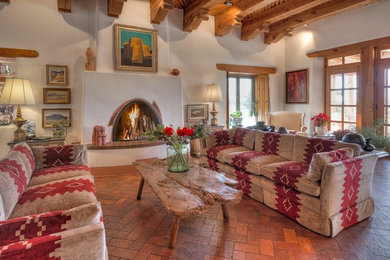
48,207
322,184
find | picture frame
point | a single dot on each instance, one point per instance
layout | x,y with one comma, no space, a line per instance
197,113
56,96
51,116
297,87
142,58
57,75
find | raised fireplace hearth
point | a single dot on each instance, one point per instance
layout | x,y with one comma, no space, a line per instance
133,118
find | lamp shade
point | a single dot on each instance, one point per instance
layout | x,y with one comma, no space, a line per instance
213,93
17,92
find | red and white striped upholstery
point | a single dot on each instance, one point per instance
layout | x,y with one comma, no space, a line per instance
2,213
14,177
46,175
319,161
274,143
25,153
305,147
244,137
56,195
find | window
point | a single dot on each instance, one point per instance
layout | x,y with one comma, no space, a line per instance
342,105
241,97
350,59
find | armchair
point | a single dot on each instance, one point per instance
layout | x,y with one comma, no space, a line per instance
290,120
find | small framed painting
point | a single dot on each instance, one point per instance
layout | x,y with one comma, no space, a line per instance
57,75
297,90
56,116
135,48
197,113
56,96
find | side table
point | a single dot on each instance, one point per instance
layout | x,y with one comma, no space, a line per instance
41,142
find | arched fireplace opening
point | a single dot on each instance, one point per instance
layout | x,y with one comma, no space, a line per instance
136,117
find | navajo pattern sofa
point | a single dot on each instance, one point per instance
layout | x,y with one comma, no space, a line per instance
48,208
322,184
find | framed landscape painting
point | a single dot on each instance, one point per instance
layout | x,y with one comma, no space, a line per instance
56,96
297,90
57,75
197,113
56,116
135,48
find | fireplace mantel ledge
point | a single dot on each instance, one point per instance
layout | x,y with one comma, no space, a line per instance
125,145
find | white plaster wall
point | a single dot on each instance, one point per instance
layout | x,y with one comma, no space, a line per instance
59,39
63,38
358,25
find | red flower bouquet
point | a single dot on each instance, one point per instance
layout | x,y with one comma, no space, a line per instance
176,140
321,120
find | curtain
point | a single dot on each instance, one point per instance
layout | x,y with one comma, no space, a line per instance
262,96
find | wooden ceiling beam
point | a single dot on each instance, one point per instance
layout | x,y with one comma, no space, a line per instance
226,20
115,7
64,6
5,1
197,12
259,21
15,53
245,69
159,10
333,7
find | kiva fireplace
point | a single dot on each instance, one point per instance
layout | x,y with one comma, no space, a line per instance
133,119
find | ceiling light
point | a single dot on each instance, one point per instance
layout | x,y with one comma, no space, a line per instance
228,3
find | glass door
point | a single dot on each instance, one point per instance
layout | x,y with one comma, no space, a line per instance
342,98
383,96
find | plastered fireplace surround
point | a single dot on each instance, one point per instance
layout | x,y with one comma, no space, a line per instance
104,93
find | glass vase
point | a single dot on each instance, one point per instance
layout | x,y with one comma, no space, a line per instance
177,158
321,130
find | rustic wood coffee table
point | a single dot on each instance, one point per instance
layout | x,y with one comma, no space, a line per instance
188,193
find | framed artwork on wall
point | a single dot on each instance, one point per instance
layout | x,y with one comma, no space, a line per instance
57,75
56,116
297,87
135,48
197,113
56,96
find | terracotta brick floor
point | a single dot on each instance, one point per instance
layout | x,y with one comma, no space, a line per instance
140,229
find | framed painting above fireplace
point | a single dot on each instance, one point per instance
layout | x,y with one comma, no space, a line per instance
135,48
297,87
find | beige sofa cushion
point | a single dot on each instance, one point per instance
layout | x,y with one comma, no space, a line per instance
305,147
251,161
321,159
293,175
244,137
223,137
218,152
273,143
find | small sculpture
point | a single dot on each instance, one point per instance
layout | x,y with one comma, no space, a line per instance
99,135
175,72
90,64
354,138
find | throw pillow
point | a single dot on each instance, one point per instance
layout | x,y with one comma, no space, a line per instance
319,161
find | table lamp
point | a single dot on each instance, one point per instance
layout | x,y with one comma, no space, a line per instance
213,94
17,92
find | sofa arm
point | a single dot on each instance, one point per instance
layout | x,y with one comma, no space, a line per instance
29,227
87,242
346,183
56,156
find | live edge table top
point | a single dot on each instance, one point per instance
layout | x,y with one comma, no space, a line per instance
185,194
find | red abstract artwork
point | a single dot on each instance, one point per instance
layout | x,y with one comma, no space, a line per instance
297,87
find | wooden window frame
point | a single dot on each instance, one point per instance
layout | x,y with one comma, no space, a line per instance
238,76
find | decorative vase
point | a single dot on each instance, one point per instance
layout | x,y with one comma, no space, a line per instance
320,130
177,158
195,146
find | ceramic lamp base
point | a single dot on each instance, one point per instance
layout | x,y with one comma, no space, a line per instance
19,135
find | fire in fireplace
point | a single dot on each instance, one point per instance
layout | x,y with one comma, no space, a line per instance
135,118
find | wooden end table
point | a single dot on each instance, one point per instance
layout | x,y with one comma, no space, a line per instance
188,193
